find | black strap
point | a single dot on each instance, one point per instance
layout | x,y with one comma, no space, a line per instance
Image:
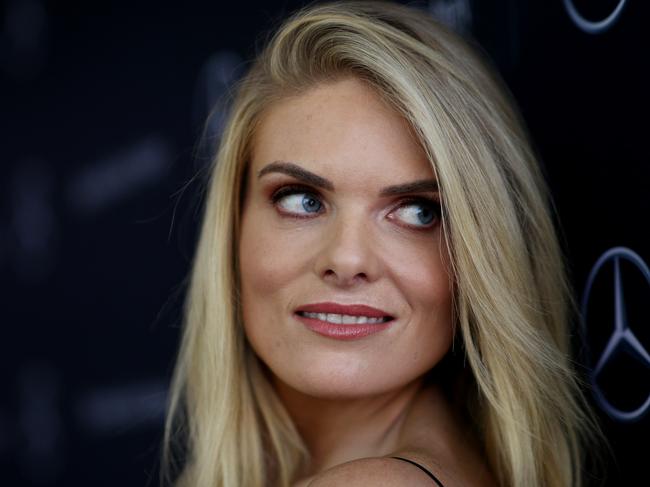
423,469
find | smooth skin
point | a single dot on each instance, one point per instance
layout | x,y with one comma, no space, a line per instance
355,402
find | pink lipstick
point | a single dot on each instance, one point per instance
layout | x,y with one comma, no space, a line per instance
343,322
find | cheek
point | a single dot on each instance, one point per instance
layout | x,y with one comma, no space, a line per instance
269,270
423,274
268,260
255,265
258,265
434,290
258,280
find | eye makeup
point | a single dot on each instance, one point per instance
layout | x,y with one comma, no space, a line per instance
292,189
430,204
432,212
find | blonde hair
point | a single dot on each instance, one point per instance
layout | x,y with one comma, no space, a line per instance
512,300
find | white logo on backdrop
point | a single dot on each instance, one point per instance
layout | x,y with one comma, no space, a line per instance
593,27
622,337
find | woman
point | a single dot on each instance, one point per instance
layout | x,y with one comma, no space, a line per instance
378,296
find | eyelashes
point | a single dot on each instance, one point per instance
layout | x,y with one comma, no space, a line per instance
302,202
430,213
313,201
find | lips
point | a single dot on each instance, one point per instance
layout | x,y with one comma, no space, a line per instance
344,309
337,321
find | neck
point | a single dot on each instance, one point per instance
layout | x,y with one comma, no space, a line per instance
344,429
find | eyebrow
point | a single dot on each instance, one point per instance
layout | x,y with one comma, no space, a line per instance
291,169
297,172
419,186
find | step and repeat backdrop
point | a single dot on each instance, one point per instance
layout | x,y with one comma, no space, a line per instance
103,109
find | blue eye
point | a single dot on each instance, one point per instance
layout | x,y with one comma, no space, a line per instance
297,200
421,213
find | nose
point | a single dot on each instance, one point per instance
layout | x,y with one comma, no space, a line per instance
348,255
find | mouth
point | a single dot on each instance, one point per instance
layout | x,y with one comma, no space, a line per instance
345,319
344,314
343,322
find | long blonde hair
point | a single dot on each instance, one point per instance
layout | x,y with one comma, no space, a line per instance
512,300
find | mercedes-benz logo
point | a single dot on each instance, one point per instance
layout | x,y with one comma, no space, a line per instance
622,336
589,26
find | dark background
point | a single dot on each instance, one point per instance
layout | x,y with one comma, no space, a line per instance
102,105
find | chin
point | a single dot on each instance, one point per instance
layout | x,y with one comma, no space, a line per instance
328,383
336,391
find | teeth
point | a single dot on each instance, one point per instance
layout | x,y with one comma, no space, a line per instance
348,320
332,318
344,319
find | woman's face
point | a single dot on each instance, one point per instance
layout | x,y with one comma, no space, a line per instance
330,216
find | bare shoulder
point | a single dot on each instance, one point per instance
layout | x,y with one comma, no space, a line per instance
379,472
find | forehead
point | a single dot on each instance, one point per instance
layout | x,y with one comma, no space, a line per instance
343,130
